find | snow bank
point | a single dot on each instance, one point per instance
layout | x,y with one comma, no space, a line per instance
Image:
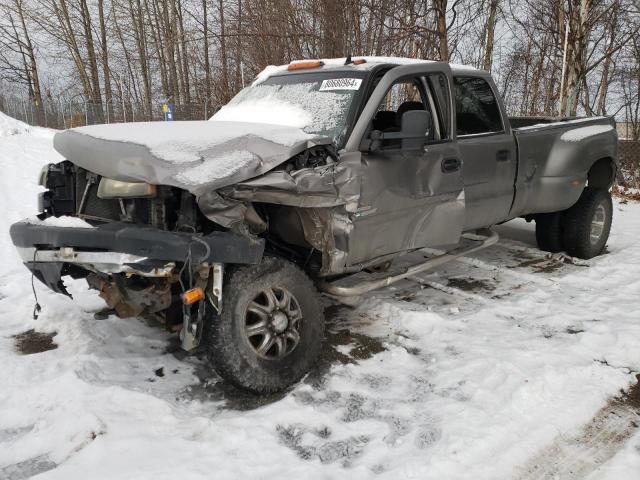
10,126
24,150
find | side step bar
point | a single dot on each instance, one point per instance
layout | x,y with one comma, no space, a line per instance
482,239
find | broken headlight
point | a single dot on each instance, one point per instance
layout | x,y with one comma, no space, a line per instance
110,188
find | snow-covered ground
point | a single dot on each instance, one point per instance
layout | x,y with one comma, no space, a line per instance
509,364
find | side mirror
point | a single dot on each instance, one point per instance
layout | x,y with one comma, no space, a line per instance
412,135
414,127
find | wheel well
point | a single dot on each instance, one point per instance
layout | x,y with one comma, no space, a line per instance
602,173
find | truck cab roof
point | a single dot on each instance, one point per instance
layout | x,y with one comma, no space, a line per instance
368,63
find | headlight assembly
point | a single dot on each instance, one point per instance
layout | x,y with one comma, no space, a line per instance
110,188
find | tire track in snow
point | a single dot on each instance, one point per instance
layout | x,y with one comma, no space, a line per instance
575,457
474,261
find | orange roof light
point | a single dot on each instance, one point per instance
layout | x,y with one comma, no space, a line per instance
359,61
192,296
304,64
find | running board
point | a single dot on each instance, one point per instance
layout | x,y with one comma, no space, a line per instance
483,239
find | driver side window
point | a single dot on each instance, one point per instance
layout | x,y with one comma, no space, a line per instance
402,97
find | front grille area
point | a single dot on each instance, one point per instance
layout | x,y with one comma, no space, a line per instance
74,191
88,204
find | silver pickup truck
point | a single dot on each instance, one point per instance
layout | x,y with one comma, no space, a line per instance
224,230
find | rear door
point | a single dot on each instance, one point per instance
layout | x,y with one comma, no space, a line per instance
487,148
409,198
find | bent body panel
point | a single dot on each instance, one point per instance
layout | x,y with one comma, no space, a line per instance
554,162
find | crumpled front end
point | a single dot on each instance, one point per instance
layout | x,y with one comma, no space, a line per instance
233,177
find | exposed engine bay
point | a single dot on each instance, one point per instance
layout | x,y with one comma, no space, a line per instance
154,291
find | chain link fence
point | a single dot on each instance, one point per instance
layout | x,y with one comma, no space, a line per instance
629,157
61,114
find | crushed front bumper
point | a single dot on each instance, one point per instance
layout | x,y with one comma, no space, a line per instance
51,251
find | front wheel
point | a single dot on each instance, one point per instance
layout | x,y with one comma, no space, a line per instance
587,223
271,328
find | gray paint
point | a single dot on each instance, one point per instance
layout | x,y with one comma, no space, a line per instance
138,151
552,172
373,205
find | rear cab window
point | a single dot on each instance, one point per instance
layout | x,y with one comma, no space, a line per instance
477,110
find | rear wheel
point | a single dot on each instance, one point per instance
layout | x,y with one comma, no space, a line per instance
549,232
587,223
271,327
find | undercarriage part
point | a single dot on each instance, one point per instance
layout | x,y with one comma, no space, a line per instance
326,230
217,272
132,297
193,314
50,274
312,157
187,214
483,239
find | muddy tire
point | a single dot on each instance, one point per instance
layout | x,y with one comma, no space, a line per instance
587,223
549,232
270,332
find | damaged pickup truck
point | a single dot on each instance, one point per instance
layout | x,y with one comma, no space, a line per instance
224,230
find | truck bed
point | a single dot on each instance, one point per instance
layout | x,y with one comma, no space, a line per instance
554,158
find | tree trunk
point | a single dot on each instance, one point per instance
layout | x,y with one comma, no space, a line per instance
223,54
441,27
205,51
96,97
491,25
106,72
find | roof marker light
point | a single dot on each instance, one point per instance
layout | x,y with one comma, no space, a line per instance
304,64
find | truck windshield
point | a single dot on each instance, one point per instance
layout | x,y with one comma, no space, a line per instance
317,103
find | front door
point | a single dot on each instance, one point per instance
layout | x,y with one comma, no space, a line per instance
410,197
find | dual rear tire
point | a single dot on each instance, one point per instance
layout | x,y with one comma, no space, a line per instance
582,230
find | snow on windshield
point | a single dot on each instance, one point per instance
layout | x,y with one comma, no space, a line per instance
307,105
262,110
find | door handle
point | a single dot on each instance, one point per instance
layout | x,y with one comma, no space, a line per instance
503,155
450,165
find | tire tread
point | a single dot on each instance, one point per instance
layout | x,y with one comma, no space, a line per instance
577,223
225,356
